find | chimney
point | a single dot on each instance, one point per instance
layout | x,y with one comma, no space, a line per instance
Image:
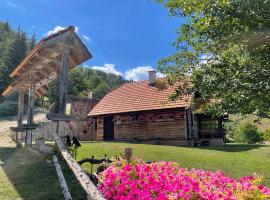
152,77
90,95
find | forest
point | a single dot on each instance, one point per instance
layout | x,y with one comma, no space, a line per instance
15,45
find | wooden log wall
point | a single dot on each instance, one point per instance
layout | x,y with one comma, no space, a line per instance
100,128
151,126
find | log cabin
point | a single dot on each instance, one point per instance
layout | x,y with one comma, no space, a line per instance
141,112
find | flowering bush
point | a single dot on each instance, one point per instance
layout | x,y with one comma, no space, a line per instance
167,180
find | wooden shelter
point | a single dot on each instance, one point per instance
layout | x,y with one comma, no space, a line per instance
142,112
53,56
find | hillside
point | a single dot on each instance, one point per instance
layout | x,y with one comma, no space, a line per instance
263,123
82,80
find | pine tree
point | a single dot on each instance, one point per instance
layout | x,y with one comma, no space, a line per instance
18,50
32,42
7,37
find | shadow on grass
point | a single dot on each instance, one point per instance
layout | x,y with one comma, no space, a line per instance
34,177
236,147
229,147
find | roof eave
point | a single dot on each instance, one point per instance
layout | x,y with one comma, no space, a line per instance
133,111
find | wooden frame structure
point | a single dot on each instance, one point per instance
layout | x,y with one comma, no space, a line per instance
53,56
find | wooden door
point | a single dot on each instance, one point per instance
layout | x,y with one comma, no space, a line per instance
108,128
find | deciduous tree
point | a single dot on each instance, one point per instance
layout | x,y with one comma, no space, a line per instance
224,46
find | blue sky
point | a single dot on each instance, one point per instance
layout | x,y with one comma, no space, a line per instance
126,37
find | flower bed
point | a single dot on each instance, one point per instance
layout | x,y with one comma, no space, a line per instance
167,180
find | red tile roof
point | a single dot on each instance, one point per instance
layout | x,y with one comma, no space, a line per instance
138,96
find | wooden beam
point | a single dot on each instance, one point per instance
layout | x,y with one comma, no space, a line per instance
91,190
20,107
31,100
61,178
57,39
63,82
45,81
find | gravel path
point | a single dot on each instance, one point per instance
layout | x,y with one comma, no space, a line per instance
5,124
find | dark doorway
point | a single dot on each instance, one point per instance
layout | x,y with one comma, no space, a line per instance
108,128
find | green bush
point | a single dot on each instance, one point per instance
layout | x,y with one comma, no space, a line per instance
230,127
247,133
266,135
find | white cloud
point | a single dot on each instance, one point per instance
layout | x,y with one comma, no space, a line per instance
59,28
11,4
86,38
108,68
140,73
135,74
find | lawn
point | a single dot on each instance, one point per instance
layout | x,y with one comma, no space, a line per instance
235,160
25,174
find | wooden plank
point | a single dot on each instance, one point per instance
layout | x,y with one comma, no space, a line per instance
91,190
61,178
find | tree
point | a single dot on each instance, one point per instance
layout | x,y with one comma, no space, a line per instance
32,42
7,37
224,48
101,90
266,135
18,50
82,80
247,133
77,83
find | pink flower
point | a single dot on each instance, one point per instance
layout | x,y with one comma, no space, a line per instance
167,180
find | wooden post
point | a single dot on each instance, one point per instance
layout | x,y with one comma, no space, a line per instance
20,108
128,154
30,109
63,82
61,179
91,190
31,100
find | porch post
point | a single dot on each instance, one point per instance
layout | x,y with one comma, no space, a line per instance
63,86
30,110
63,82
31,100
20,108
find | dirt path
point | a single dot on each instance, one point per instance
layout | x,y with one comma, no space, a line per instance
5,124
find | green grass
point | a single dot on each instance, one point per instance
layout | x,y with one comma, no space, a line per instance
28,175
234,160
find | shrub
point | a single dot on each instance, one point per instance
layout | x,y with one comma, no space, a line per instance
230,128
167,180
266,135
247,133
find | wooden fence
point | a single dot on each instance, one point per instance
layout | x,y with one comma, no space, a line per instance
91,190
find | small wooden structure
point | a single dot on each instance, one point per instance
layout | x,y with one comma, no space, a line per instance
53,56
142,112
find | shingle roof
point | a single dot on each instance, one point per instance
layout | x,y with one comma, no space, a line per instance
138,96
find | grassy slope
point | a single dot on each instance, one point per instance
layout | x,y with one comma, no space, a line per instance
263,124
27,175
234,160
